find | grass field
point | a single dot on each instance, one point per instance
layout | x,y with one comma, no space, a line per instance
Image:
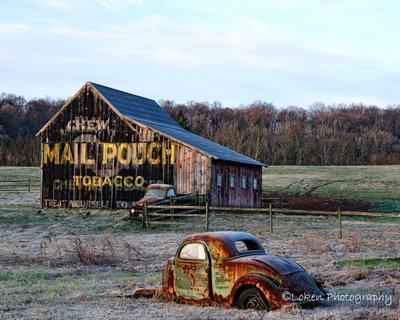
362,182
64,264
379,185
23,173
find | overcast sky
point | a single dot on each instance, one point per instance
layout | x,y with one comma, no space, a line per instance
287,52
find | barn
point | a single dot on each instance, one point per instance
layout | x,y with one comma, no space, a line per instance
105,146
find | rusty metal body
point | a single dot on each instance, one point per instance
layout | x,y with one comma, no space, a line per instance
218,267
153,194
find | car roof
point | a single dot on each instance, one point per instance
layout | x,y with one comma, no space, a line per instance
161,186
222,243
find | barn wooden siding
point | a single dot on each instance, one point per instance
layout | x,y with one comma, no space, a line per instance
193,170
91,157
105,146
248,196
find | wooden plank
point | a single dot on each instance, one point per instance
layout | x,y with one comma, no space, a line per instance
175,215
372,231
305,220
370,214
239,224
237,217
305,228
177,223
376,223
239,209
177,207
327,213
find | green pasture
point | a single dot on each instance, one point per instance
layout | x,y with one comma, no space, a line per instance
97,222
364,182
377,184
19,173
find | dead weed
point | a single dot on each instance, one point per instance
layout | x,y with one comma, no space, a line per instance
88,250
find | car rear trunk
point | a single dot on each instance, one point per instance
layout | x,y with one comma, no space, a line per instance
303,286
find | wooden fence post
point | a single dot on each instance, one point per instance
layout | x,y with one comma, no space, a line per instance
207,213
340,222
171,211
198,201
145,216
143,220
29,185
271,229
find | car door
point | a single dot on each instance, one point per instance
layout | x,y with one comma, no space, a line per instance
192,272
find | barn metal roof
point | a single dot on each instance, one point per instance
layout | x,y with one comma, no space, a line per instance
149,113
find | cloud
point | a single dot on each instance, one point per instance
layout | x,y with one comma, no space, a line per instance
284,49
58,4
112,4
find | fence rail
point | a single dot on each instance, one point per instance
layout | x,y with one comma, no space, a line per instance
277,202
268,218
26,185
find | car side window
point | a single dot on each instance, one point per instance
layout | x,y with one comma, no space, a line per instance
246,245
171,193
193,251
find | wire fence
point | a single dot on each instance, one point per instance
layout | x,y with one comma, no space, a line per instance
271,219
22,185
277,216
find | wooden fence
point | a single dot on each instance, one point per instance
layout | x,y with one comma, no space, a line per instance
270,220
26,185
277,202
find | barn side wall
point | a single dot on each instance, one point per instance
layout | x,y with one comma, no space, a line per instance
92,158
193,171
243,193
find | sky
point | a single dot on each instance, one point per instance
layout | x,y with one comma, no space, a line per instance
286,52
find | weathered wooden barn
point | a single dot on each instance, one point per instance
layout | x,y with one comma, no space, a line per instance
105,146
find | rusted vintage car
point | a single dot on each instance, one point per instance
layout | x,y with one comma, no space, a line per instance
233,269
154,193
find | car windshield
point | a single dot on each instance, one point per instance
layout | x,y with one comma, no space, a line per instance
155,192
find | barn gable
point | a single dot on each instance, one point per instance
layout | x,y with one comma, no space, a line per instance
105,146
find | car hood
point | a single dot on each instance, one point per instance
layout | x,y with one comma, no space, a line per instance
281,265
150,199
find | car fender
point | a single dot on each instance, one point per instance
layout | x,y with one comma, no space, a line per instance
272,292
168,279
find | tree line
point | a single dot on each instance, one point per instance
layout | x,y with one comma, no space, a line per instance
354,134
325,135
20,120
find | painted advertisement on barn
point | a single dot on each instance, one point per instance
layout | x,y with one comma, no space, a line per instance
92,158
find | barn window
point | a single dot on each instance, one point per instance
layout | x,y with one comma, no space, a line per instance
232,181
255,184
219,179
244,182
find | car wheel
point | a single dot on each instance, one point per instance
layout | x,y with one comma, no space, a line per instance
252,298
